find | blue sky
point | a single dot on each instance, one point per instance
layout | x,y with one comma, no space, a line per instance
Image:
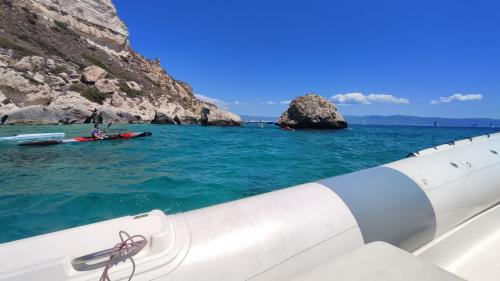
372,57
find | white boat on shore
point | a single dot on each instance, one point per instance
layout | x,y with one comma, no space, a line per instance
432,216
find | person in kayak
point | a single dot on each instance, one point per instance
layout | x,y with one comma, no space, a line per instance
96,132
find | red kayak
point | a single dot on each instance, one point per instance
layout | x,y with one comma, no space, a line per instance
127,135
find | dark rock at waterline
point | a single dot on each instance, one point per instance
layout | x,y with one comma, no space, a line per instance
92,118
166,119
312,112
162,118
204,116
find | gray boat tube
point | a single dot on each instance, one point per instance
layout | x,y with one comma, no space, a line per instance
278,235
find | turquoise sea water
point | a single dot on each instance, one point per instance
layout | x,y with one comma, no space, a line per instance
179,168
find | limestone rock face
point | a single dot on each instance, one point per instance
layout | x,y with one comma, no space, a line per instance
31,63
62,59
50,64
37,77
22,90
6,104
67,108
93,73
95,20
107,86
71,108
134,86
56,81
312,112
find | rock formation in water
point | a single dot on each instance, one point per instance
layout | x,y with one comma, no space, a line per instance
312,112
212,116
62,59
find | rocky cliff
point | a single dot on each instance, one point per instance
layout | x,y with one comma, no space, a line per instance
69,61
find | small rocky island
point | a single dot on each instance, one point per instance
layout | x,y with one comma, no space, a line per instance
311,112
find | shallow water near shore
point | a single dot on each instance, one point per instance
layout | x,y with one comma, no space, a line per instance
180,168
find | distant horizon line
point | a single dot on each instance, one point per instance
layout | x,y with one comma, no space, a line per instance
392,115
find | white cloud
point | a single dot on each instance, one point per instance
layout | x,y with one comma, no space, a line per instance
458,97
218,103
285,102
360,98
268,102
357,98
384,98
